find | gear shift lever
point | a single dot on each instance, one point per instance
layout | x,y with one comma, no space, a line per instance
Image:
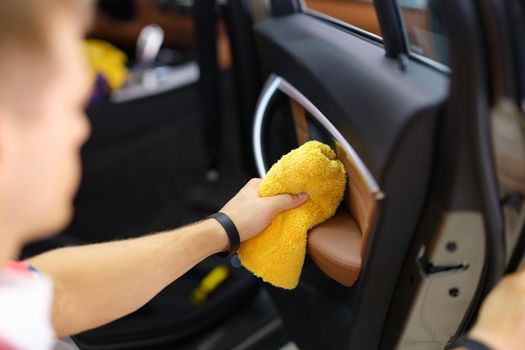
149,42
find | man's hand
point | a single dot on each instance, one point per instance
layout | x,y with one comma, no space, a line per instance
252,213
501,322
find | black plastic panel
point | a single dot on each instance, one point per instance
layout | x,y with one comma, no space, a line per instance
356,86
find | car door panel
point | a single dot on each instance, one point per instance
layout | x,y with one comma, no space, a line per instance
387,113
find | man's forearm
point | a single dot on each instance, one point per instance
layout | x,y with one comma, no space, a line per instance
98,283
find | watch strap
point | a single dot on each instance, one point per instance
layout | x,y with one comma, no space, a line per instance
231,232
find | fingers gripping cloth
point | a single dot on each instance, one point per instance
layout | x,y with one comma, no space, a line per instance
277,254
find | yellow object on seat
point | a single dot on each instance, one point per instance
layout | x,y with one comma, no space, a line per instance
107,60
213,280
277,254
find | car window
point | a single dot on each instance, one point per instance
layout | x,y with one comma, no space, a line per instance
359,13
424,27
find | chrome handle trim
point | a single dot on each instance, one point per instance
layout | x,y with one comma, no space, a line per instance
275,83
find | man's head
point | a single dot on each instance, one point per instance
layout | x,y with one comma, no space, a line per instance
43,89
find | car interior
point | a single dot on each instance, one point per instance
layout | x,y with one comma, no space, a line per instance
423,102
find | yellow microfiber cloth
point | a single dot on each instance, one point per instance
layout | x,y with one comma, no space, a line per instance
277,254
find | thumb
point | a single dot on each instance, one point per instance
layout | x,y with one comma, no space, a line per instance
287,201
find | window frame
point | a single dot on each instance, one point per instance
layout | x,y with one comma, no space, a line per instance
418,57
374,38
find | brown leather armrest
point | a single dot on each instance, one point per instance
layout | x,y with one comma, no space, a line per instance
338,245
335,247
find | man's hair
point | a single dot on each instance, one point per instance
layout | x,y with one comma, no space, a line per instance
25,22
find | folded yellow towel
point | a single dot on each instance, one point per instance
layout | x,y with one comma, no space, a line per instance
277,254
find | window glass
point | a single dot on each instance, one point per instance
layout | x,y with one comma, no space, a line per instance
359,13
424,26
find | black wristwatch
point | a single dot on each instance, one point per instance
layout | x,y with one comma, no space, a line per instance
231,231
471,344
